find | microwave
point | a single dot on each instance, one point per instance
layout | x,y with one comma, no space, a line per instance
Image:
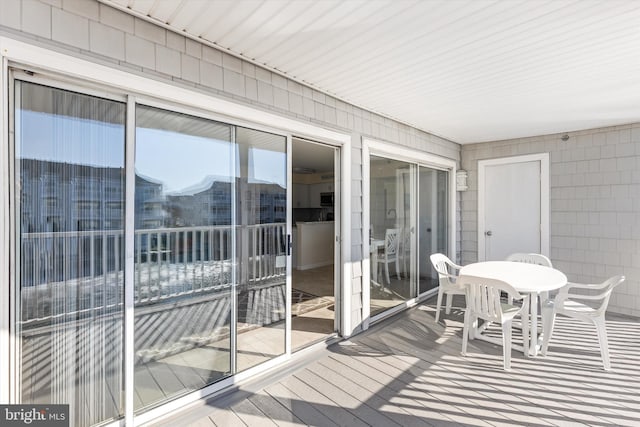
326,199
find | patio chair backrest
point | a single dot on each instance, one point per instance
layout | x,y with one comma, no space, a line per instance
391,241
483,296
530,258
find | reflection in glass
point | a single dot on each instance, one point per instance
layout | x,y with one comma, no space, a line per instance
398,247
390,233
183,235
260,241
432,222
70,175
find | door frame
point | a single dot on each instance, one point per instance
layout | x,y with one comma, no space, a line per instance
543,158
420,158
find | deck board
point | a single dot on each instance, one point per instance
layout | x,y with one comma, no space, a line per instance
408,371
337,395
202,422
338,414
379,395
226,418
444,394
391,391
365,415
274,410
307,412
251,415
394,415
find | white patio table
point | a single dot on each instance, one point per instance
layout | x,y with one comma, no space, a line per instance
532,279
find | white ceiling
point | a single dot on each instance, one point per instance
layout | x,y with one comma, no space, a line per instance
313,157
469,71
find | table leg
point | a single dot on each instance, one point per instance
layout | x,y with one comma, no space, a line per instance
374,265
533,342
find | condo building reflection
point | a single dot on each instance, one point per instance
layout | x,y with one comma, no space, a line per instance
62,198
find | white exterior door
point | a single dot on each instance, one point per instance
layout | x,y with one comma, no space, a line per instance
513,206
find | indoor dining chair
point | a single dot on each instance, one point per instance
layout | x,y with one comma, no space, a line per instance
390,252
447,278
405,251
483,302
587,302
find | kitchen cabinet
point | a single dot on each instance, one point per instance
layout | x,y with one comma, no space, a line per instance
314,193
308,195
301,196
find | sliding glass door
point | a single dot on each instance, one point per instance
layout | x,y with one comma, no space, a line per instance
210,246
210,276
183,297
391,233
70,181
261,246
409,220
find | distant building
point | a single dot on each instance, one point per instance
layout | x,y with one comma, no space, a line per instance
150,204
59,197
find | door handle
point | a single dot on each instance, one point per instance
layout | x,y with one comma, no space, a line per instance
488,233
288,244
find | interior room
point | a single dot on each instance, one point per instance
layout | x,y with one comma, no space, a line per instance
314,213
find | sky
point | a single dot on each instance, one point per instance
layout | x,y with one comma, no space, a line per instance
178,160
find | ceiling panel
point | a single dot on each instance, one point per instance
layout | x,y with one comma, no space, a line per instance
469,71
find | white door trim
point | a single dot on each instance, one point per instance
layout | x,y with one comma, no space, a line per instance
5,242
543,158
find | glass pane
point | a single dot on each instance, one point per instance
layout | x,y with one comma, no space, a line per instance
390,233
433,223
261,245
183,236
70,215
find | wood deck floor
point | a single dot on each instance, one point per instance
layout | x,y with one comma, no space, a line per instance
408,371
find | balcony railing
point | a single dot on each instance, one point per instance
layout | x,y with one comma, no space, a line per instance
71,274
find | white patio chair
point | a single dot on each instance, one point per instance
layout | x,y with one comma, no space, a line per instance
447,275
390,252
587,302
483,302
532,258
538,259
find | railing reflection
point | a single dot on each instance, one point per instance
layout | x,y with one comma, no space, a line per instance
76,274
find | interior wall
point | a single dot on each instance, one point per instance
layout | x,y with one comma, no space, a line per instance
100,33
595,201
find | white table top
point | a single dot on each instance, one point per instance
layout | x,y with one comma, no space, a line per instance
523,277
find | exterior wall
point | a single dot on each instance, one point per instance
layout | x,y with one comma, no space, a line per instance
90,30
595,201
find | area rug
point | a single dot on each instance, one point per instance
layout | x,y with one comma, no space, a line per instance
304,302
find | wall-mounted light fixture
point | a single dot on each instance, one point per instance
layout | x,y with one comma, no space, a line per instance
461,180
565,137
